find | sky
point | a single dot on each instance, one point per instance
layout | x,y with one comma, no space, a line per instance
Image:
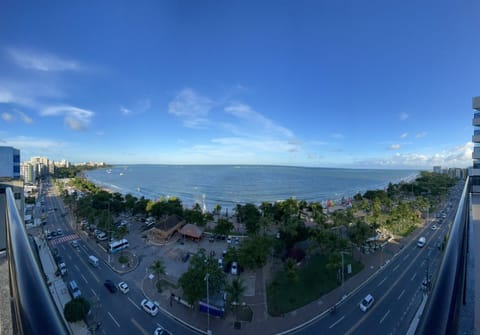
354,84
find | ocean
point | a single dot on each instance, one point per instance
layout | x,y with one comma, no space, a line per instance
229,185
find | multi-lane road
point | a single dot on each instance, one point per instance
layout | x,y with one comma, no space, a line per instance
397,287
118,313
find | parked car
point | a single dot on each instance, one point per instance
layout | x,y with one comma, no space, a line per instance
234,268
59,232
229,240
161,331
110,286
220,263
123,287
149,306
367,302
75,244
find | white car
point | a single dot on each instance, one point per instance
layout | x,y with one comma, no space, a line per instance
161,331
366,303
234,269
123,287
149,306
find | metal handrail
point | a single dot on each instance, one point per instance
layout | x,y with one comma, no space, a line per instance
441,314
34,311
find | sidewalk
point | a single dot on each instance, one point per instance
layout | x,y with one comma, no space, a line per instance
57,286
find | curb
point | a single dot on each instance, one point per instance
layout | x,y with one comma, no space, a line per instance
172,316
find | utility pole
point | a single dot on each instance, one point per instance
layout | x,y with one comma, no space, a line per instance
209,332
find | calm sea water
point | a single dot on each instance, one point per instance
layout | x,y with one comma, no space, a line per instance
228,185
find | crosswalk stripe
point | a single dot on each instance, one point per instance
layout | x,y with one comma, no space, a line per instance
64,239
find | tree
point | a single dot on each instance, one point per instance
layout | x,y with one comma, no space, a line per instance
253,252
217,209
235,290
158,268
76,309
223,227
251,215
193,282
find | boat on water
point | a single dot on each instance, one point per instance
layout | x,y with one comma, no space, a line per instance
121,173
109,171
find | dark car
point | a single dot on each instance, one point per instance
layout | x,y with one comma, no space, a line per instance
110,285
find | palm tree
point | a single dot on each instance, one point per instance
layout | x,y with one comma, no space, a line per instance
235,292
158,268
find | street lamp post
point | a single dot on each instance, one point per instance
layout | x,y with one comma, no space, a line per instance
209,332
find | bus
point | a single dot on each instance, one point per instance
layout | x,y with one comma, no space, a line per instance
115,246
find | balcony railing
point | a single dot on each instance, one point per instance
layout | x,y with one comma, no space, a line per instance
442,312
33,311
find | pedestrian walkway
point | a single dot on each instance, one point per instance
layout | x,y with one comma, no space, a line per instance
57,286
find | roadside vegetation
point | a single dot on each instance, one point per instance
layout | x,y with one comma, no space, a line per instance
306,239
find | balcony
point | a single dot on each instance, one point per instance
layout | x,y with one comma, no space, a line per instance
476,103
476,120
32,308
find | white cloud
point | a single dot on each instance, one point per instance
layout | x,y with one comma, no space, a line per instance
25,118
41,61
75,118
191,107
32,143
394,147
421,134
404,135
7,116
404,116
125,111
459,156
253,118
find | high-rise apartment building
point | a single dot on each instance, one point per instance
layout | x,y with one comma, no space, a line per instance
9,162
475,170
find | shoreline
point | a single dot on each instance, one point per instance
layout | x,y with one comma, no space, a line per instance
226,204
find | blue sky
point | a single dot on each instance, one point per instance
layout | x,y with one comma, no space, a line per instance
370,84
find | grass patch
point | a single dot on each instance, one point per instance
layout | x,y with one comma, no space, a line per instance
123,259
313,281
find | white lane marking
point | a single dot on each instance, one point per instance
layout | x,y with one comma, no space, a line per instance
95,294
395,268
406,257
401,294
337,322
386,314
86,281
136,324
383,280
414,276
118,325
134,304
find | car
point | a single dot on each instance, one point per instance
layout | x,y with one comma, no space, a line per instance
149,306
220,263
59,232
237,241
234,268
161,331
75,244
367,302
434,227
229,240
123,287
110,286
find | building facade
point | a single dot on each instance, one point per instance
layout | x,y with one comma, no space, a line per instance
9,162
